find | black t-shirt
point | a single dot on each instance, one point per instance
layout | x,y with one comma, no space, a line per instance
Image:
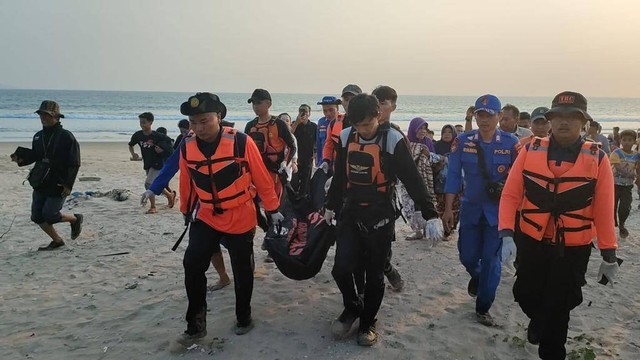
150,158
306,136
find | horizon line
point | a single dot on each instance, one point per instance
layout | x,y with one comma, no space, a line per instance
286,93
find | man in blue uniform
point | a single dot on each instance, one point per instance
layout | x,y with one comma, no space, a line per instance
330,110
482,159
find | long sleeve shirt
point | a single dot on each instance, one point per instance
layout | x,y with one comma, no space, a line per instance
464,168
399,165
239,219
560,160
63,151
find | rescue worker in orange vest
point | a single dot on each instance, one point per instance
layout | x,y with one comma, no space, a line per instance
370,158
272,136
559,189
336,126
221,170
540,125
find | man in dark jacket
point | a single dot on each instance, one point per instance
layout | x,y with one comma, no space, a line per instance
56,155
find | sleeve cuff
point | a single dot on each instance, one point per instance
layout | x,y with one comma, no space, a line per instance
608,255
505,232
429,213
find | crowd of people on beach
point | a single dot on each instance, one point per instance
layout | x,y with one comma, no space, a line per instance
533,191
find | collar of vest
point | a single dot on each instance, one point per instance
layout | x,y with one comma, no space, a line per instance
225,151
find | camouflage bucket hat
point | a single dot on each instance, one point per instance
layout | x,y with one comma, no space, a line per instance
50,107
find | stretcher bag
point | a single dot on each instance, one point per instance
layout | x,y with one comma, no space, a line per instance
300,253
300,250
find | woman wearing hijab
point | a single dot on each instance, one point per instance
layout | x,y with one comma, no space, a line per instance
443,148
422,150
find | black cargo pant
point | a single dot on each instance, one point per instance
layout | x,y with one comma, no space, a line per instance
623,203
358,273
370,248
203,243
300,180
548,286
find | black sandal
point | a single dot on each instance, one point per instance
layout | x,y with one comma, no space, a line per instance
76,227
52,246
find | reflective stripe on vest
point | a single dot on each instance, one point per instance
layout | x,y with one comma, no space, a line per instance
565,201
222,181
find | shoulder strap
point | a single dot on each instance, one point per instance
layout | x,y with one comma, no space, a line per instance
482,163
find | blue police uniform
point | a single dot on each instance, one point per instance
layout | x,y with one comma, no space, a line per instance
478,242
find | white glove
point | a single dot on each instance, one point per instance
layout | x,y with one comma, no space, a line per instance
283,167
277,218
608,272
329,215
325,167
433,231
146,196
509,250
327,185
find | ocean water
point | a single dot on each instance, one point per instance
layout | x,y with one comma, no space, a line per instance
112,115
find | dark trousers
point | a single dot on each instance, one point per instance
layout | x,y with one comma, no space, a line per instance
300,180
355,246
203,242
547,288
623,203
480,251
359,272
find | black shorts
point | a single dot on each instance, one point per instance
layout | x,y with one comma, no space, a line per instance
46,208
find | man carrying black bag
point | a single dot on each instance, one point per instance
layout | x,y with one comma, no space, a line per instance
56,155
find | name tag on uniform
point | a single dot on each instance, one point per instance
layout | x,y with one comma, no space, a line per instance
470,150
502,152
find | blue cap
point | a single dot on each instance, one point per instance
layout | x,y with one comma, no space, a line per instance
330,100
489,103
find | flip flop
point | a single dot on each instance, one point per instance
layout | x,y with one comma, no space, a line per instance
172,200
52,246
152,211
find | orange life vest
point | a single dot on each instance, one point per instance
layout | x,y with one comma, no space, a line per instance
335,127
559,210
222,181
366,181
270,144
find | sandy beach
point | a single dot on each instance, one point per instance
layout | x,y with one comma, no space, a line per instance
76,303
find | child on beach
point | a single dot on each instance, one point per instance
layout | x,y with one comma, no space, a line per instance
626,168
155,148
